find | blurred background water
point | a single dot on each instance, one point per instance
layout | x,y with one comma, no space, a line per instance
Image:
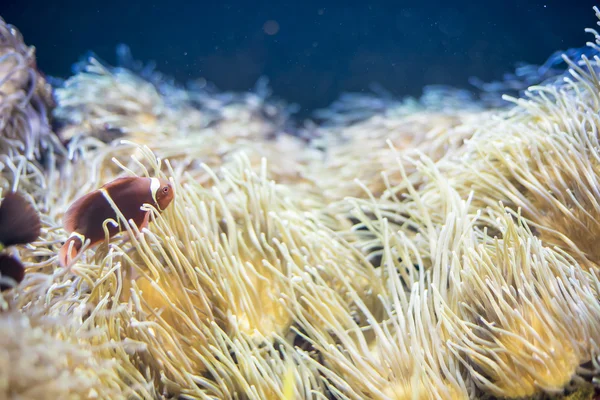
311,51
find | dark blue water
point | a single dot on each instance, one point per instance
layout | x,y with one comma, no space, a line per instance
310,50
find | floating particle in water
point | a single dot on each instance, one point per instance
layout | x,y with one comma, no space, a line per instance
200,83
271,27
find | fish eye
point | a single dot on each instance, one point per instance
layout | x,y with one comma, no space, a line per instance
165,189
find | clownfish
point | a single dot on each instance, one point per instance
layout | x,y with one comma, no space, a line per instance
85,217
19,221
10,268
19,224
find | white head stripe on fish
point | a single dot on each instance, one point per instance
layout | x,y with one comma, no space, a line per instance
154,188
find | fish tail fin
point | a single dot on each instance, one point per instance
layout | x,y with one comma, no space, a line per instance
70,249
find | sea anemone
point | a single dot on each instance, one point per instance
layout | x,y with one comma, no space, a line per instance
26,99
41,359
189,127
430,249
528,315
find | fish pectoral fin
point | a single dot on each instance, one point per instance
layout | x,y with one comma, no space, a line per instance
70,249
146,221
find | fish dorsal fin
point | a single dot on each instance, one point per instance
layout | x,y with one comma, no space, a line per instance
120,181
129,191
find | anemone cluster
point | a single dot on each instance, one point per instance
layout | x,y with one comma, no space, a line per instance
432,248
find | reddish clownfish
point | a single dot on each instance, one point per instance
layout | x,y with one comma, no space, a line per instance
19,224
85,217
